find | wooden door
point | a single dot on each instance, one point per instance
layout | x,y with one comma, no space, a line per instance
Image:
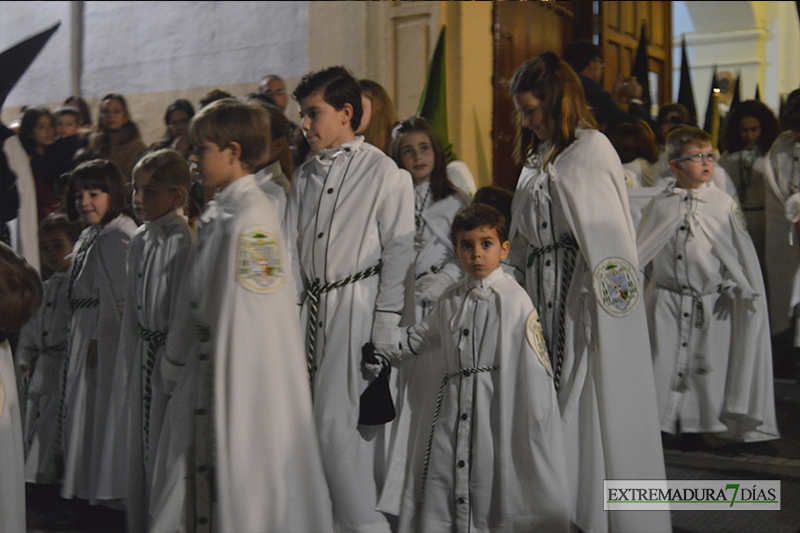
619,30
522,30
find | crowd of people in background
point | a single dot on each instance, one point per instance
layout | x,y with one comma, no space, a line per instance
219,308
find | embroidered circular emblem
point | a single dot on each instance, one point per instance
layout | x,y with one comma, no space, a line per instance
616,286
533,329
738,217
258,262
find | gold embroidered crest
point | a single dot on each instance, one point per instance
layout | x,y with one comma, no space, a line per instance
258,262
533,330
738,217
616,286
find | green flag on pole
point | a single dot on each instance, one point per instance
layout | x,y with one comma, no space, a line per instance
433,103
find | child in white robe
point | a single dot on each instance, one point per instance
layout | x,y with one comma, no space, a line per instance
257,464
41,349
162,250
490,453
706,305
416,148
96,193
21,290
351,214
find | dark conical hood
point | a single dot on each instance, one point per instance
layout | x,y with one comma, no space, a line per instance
641,70
712,113
685,91
737,97
16,60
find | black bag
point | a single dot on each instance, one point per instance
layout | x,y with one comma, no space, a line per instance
376,406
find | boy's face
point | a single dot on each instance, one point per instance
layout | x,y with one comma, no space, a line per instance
479,251
66,126
323,126
153,200
694,172
55,248
213,166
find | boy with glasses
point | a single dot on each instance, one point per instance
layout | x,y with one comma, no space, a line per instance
706,304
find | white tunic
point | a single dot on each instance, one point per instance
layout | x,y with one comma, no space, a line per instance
496,461
747,171
782,257
254,392
42,345
350,208
433,258
161,252
606,392
12,457
708,317
98,274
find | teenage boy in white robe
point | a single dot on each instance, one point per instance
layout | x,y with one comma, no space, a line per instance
706,304
257,465
351,212
489,454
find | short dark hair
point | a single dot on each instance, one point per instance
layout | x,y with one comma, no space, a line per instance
213,95
790,117
475,216
232,120
181,104
59,222
69,111
98,174
337,86
580,53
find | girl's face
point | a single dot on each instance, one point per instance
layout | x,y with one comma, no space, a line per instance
55,248
366,116
92,205
531,111
178,124
113,114
152,200
417,156
323,125
44,134
750,131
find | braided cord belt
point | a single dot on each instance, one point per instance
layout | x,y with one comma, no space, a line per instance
314,291
154,339
570,246
77,266
439,398
698,309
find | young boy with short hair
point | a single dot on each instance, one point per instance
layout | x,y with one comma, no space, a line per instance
706,305
489,452
352,214
257,464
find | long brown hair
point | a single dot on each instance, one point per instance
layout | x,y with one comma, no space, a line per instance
383,117
552,81
440,186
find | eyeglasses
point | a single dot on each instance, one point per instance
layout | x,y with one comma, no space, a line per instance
697,158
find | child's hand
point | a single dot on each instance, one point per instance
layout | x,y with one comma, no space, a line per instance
91,356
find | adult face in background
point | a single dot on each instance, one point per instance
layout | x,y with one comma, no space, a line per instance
277,90
113,114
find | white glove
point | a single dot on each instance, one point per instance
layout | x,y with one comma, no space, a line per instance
386,336
792,207
431,286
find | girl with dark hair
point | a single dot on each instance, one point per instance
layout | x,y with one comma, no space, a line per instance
37,134
752,128
416,148
573,238
97,195
177,118
117,138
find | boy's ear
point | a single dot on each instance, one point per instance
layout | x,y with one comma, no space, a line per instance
236,150
178,198
504,249
346,114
